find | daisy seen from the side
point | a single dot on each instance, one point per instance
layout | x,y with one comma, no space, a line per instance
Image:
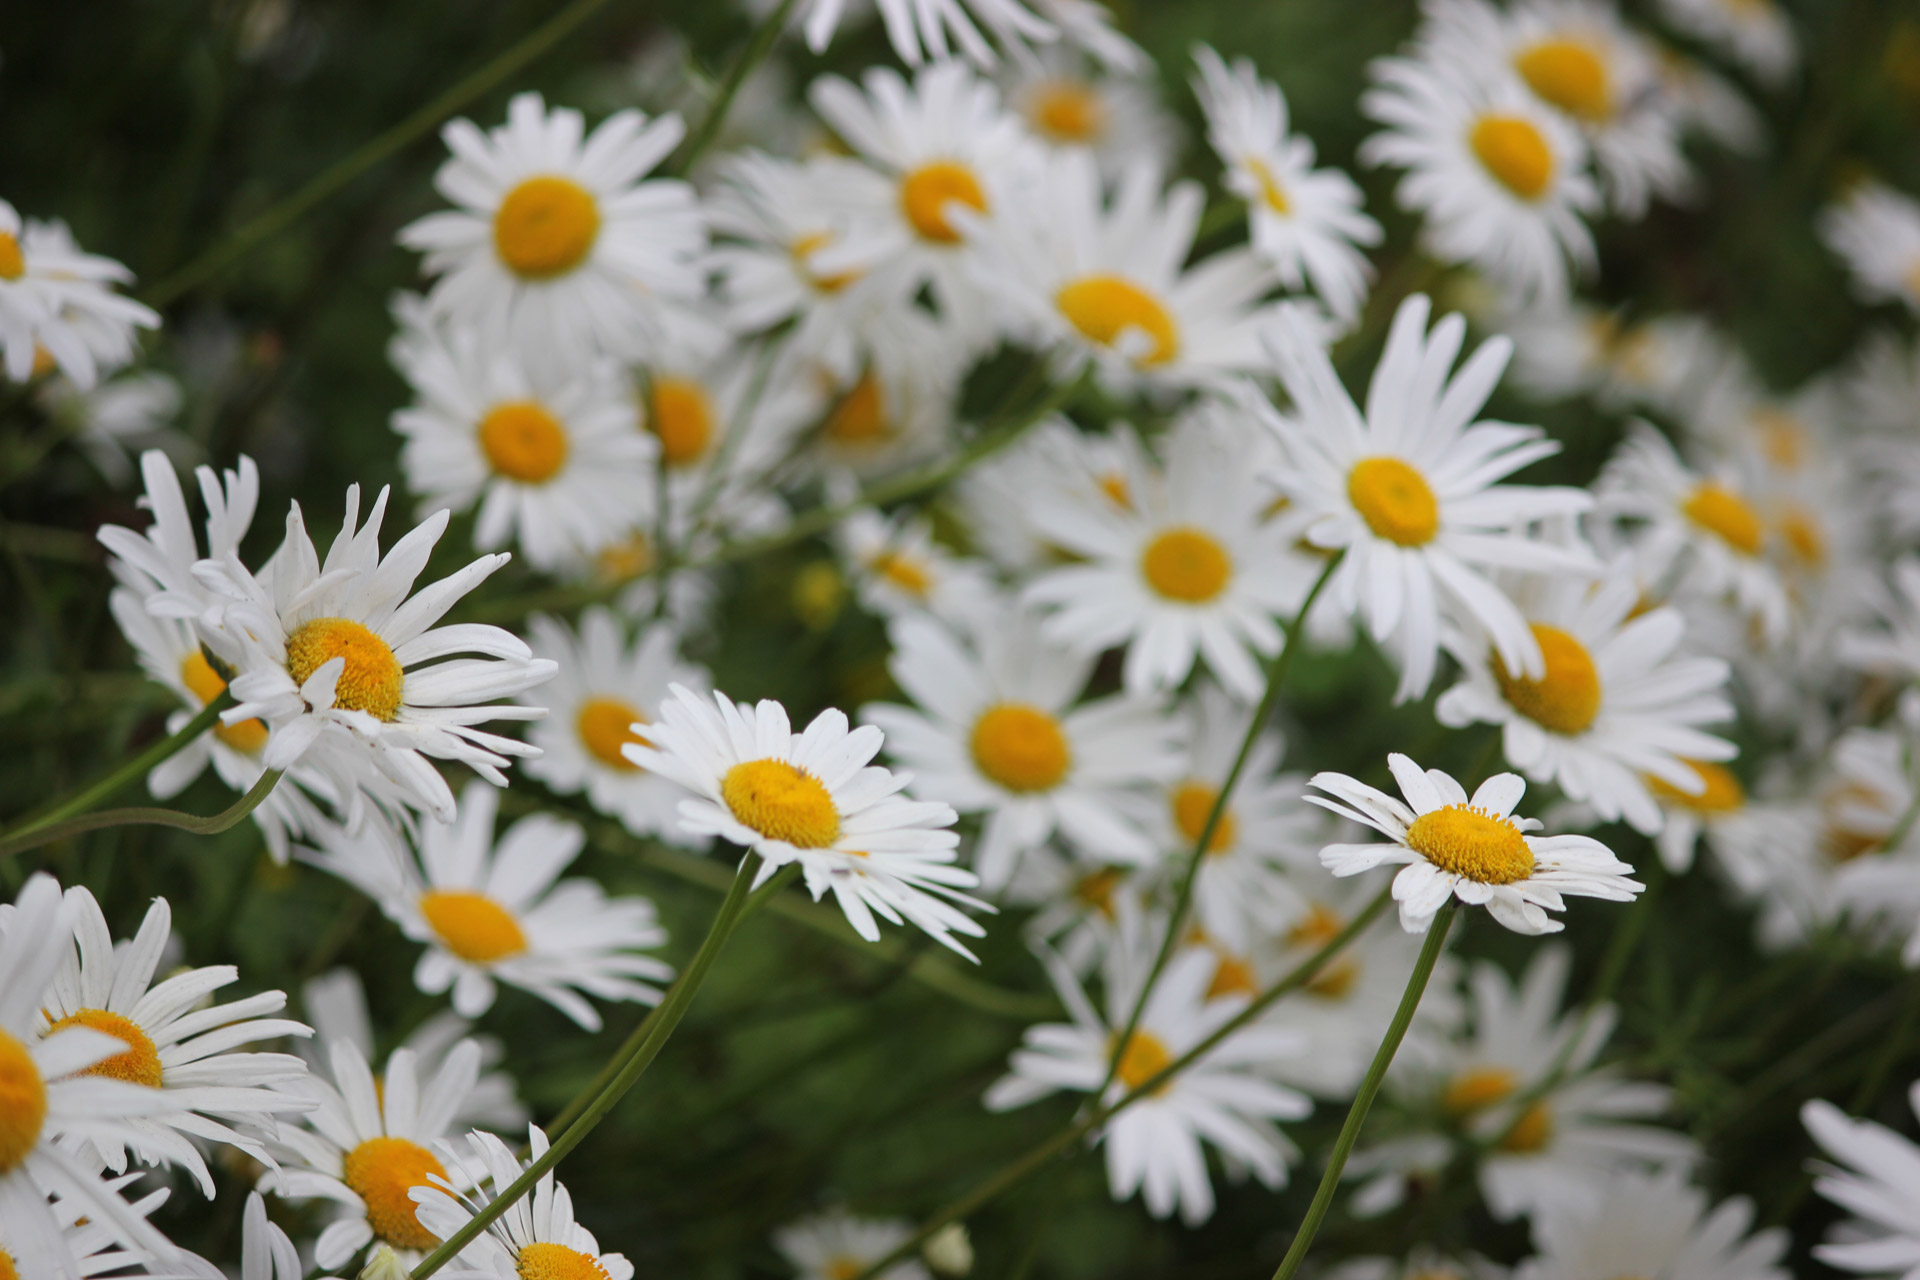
57,299
835,1245
1873,1173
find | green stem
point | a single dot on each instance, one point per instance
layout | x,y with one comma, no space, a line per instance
759,45
207,826
660,1025
1363,1100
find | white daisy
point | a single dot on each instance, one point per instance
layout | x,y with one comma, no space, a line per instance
812,798
1710,104
1755,33
1306,222
1739,828
1067,100
95,1250
558,248
917,25
1561,352
898,405
898,569
995,731
1635,1224
1078,903
105,420
1408,490
57,299
1875,1176
1471,849
1876,231
265,1251
835,1245
998,497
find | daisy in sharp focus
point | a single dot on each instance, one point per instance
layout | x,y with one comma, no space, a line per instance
1637,1224
838,1246
57,299
1307,223
558,247
1474,850
1408,490
812,798
1876,231
1874,1174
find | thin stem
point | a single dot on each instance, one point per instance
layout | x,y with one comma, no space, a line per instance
88,796
662,1023
759,45
207,826
1363,1100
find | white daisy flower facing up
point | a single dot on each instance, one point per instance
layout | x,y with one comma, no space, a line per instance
898,569
835,1245
1475,850
558,247
1408,490
326,652
1874,1174
995,730
1755,33
1637,1224
178,1043
1307,223
812,798
1066,101
605,695
1875,230
57,304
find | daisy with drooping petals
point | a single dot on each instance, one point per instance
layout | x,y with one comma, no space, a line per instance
812,798
835,1245
1067,102
1408,490
1637,1224
1756,33
1876,231
1475,850
56,299
1306,222
1874,1175
558,247
917,25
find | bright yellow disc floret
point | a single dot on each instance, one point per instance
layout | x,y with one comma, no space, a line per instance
372,681
1395,500
382,1171
1472,843
1021,747
140,1064
1102,307
523,441
545,227
1566,697
1570,75
23,1103
605,725
928,192
472,925
1515,152
782,803
1186,564
544,1261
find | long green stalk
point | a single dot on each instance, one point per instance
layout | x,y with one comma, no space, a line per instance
759,45
213,824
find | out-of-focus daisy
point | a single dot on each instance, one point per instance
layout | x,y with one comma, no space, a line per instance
1709,103
326,651
921,29
602,699
57,299
1079,903
1306,222
897,406
1737,826
535,1236
1876,232
835,1245
558,247
994,730
1636,1224
1471,849
1891,648
1498,177
812,798
1067,102
899,569
1875,1176
1755,33
1576,349
106,419
998,497
1408,491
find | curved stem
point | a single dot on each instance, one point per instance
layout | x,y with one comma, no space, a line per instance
759,45
1369,1086
213,824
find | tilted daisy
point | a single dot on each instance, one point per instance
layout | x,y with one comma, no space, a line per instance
1408,490
1307,223
898,568
1756,33
1067,100
1874,1174
1078,903
1875,230
1636,1224
898,405
1576,349
995,730
536,1236
998,497
920,30
558,247
179,1043
1474,850
57,299
326,652
836,1245
812,798
607,691
1741,829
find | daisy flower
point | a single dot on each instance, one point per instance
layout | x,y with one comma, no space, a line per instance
1891,648
558,247
898,569
265,1251
1408,490
95,1250
56,299
836,1245
1636,1224
607,691
897,407
178,1042
1875,230
919,30
1741,829
102,421
1499,178
999,496
1474,850
1561,352
1065,101
326,652
995,730
1874,1174
812,798
1755,33
1078,903
1306,222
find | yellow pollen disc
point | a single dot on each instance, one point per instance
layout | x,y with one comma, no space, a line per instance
545,227
1319,927
1532,1133
1144,1058
1472,843
1570,75
927,191
13,263
140,1064
1104,307
1114,485
1233,976
1515,153
682,418
7,1270
1567,697
1096,890
43,361
843,1267
381,1171
903,571
373,680
1068,111
23,1103
605,725
1395,500
818,592
803,250
1187,565
472,925
1272,194
1476,1088
861,416
543,1261
1727,515
1800,530
781,803
1021,747
1723,793
1782,438
523,441
204,683
1192,802
624,560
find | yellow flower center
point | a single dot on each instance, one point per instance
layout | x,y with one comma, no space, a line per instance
13,263
1843,843
1472,843
381,1171
1570,75
1805,539
373,680
1144,1058
861,416
1272,194
1068,111
681,416
1532,1133
843,1266
206,684
1723,793
1566,698
1233,976
1192,802
1115,486
904,571
1104,307
23,1103
605,725
523,441
803,250
7,1270
1395,500
781,803
624,560
1477,1087
927,191
1782,438
1186,564
543,1261
545,227
1321,926
1727,515
1021,747
1515,153
472,925
140,1064
1096,890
